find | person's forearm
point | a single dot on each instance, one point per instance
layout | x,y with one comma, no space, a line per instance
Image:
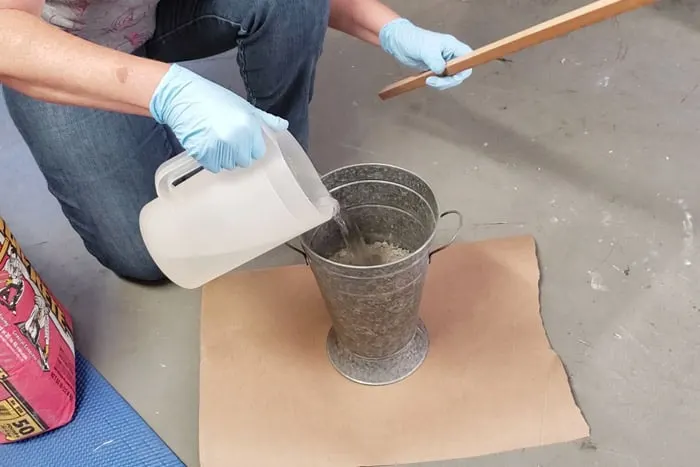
54,96
360,18
49,64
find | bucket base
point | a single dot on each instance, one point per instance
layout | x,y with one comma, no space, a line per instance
379,372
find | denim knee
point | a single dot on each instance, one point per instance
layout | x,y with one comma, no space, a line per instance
311,19
99,166
277,57
132,266
298,24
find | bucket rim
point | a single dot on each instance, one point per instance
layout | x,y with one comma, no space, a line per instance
436,215
390,166
425,246
373,164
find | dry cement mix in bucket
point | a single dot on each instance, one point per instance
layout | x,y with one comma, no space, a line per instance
377,336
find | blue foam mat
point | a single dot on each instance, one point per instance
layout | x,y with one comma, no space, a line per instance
105,431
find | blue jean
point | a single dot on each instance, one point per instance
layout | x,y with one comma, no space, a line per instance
100,165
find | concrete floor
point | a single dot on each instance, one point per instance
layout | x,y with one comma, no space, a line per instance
585,142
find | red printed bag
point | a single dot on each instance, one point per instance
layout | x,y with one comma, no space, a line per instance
37,355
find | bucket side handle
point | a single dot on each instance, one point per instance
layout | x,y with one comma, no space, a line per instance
460,224
298,250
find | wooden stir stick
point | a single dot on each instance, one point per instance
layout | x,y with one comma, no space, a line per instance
556,27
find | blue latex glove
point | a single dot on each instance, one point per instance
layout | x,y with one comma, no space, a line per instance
425,50
220,129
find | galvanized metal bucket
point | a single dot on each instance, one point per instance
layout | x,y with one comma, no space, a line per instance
377,336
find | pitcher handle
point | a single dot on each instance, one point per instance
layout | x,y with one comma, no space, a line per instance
173,170
182,166
454,236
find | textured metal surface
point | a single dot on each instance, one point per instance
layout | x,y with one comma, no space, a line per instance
379,371
374,309
383,172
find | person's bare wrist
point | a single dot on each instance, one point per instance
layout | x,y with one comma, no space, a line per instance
141,78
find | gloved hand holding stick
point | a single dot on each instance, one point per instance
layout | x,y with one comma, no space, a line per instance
585,16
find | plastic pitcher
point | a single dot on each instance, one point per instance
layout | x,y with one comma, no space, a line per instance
203,225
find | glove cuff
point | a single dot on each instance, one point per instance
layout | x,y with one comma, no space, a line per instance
169,87
387,32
